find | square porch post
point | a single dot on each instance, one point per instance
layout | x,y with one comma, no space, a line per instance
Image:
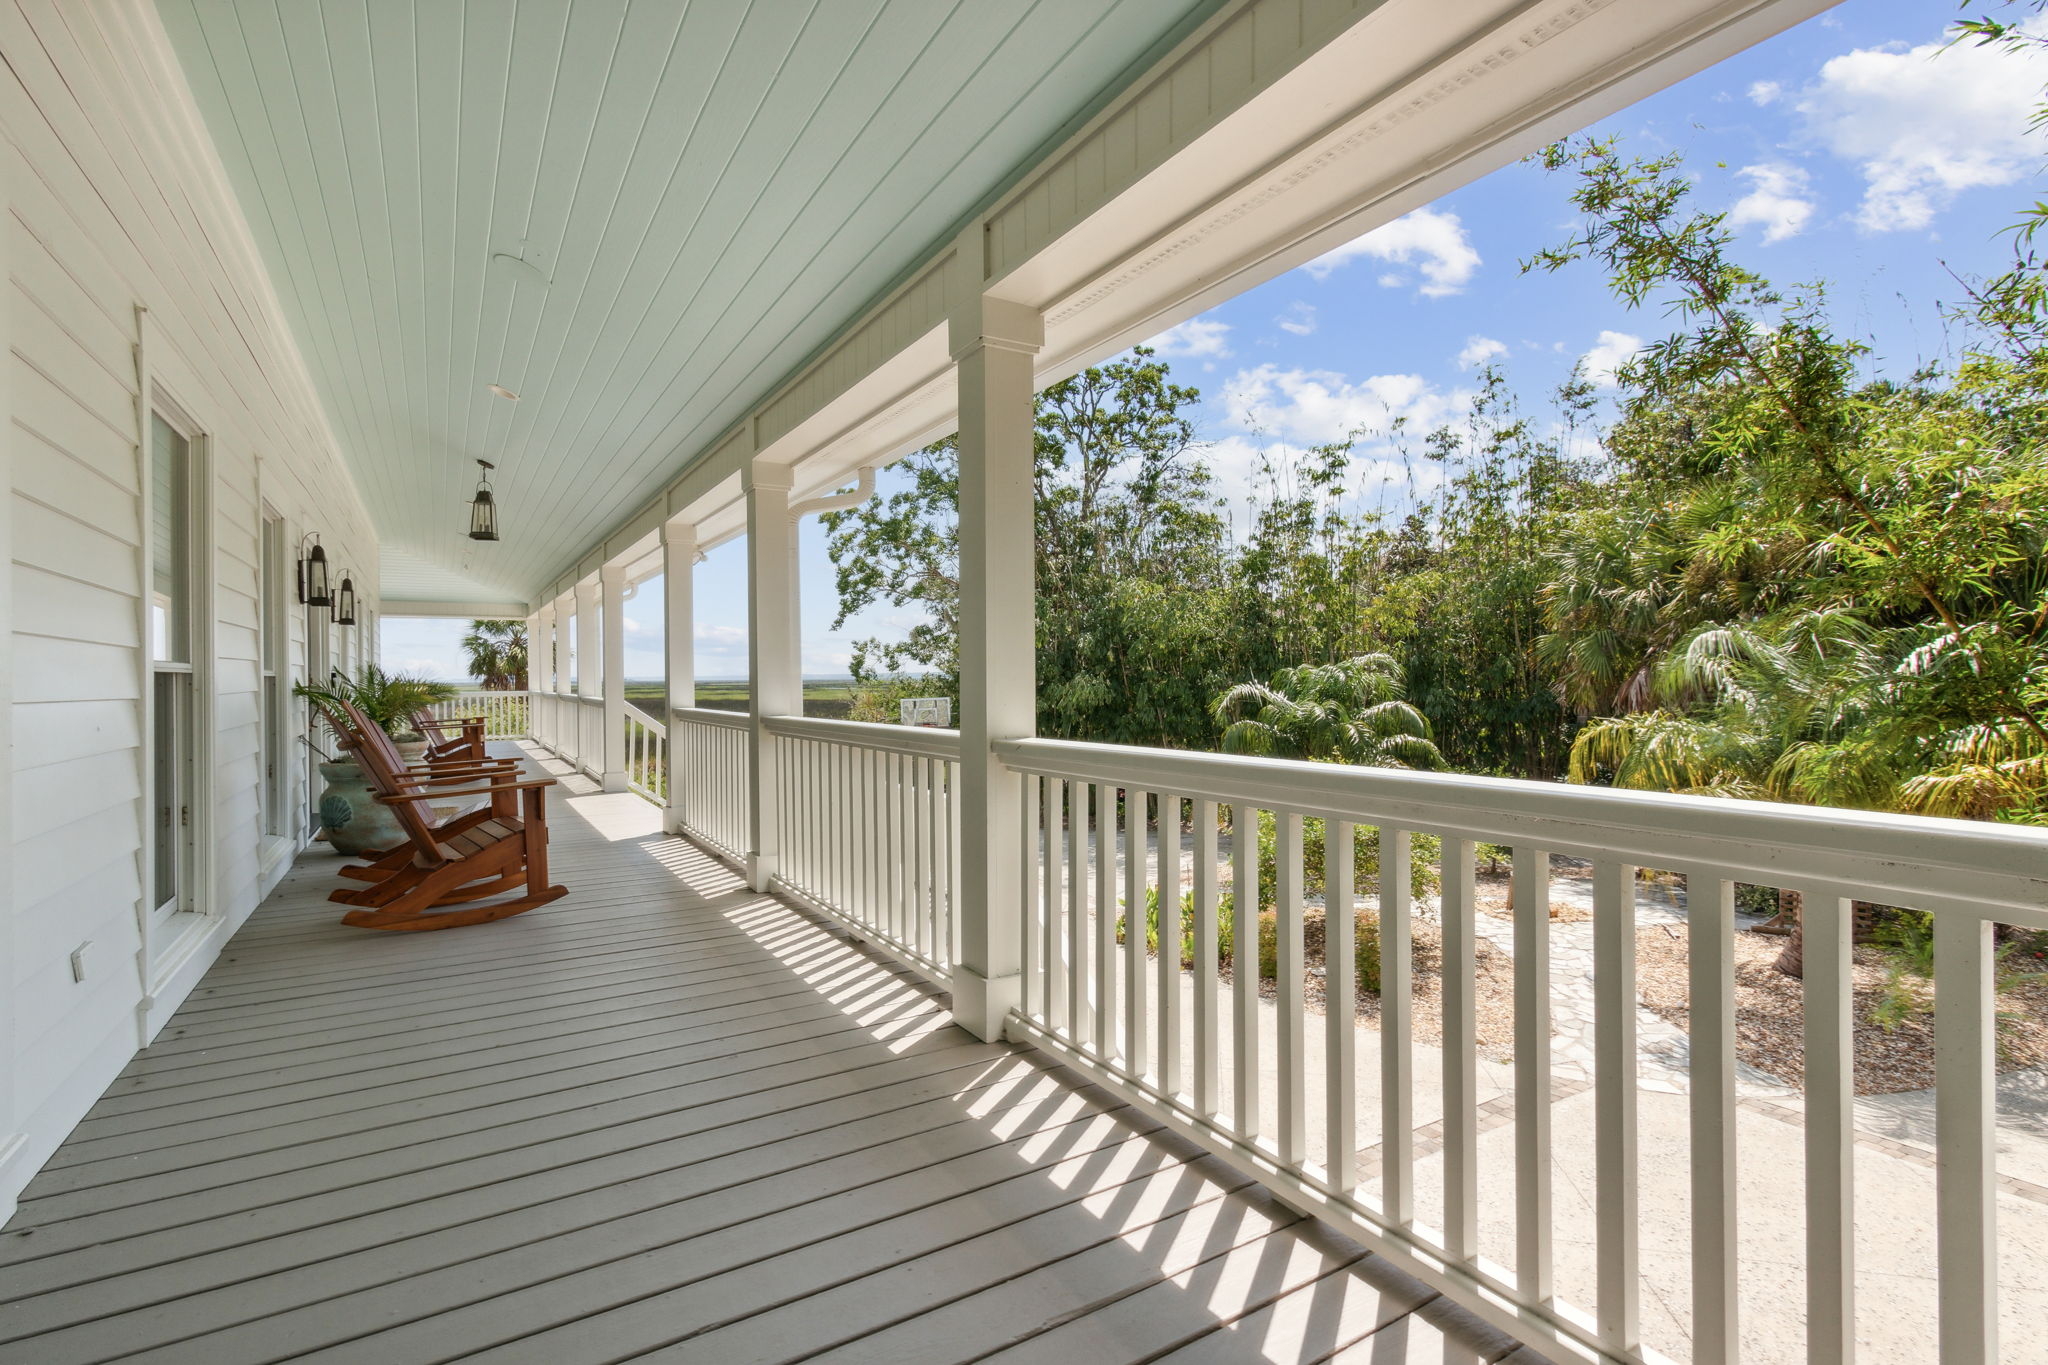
679,637
540,706
612,579
993,343
589,675
772,657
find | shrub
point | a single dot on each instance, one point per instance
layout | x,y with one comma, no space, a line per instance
1424,852
1366,954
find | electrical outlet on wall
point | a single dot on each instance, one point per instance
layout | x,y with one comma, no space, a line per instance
78,960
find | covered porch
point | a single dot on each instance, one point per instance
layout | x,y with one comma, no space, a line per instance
843,1043
670,1119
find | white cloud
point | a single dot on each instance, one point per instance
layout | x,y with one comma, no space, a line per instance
1479,350
1435,243
1924,124
1610,352
1300,318
1765,92
1315,407
1195,337
1776,200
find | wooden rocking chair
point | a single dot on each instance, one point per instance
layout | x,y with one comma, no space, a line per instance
456,737
457,862
363,737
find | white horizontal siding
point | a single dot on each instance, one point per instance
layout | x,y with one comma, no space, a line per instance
114,201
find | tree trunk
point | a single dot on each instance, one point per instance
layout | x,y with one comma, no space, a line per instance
1792,961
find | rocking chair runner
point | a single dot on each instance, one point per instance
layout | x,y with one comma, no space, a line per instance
457,862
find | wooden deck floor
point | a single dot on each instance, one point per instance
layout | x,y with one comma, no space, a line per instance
662,1118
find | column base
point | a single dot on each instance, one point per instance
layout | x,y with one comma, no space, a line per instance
614,782
762,868
980,1005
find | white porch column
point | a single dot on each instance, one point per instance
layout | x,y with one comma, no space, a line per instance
772,647
540,706
589,676
993,342
565,705
13,1141
679,673
614,652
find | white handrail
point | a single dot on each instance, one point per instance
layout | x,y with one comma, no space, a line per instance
705,715
1968,864
1090,995
896,739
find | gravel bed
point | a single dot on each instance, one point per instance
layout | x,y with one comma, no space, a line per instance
1768,1008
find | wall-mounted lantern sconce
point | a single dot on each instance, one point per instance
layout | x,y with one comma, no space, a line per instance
313,573
345,602
483,511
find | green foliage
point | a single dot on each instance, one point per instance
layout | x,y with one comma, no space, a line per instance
497,654
388,699
1906,940
1351,711
1802,584
1365,957
1424,851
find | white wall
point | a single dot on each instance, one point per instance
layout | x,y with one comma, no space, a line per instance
116,201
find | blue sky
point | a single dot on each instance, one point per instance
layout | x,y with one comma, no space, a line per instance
1852,148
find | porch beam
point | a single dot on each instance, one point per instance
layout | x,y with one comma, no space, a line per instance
679,672
772,655
993,342
612,590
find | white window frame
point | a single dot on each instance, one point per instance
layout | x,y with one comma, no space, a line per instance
167,926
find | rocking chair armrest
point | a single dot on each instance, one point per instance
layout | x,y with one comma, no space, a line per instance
456,777
532,784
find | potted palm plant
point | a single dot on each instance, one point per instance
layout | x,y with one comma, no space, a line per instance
354,820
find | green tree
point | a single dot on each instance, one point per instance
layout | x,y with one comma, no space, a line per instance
1132,639
497,654
1351,711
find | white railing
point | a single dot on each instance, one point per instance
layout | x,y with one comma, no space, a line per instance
506,715
588,720
1167,1040
713,785
869,831
646,755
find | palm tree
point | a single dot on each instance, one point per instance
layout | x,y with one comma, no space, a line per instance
497,654
1352,711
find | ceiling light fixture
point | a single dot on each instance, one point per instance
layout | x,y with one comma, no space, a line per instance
503,392
483,509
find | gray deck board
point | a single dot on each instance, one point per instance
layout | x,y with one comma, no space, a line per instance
661,1118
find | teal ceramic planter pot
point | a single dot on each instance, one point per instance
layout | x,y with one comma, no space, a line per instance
356,821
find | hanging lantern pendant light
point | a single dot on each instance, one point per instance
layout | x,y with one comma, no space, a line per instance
313,573
345,601
483,509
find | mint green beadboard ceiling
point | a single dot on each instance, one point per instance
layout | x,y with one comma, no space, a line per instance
637,216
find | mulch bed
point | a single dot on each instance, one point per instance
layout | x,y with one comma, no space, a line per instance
1494,1009
1768,1008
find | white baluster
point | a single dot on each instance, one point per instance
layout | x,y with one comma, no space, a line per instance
1208,1023
1614,1104
1461,1053
1244,968
1171,1009
1966,1146
1288,964
1397,1029
1340,976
